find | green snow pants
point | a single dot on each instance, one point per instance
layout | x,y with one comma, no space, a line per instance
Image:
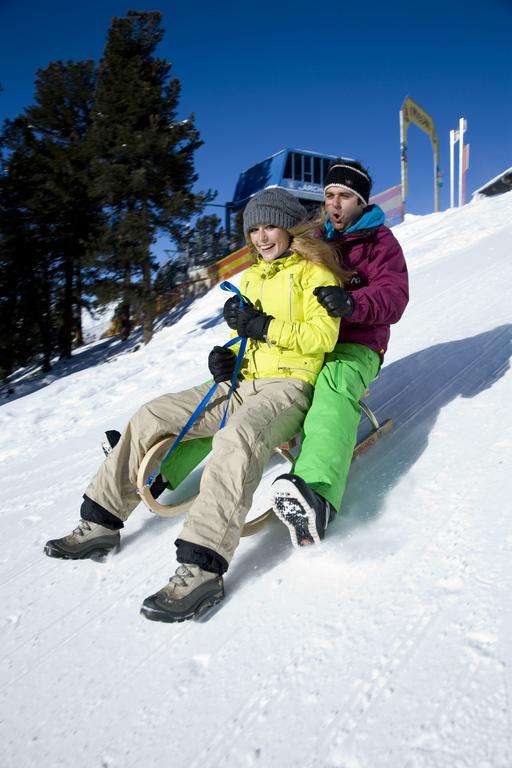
330,427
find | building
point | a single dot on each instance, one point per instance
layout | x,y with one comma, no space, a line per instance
303,174
300,172
497,186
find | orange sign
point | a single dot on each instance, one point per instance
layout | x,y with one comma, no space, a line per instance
232,264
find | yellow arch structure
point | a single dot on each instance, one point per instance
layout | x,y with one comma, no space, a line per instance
413,113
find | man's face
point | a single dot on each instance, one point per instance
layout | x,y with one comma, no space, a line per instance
342,207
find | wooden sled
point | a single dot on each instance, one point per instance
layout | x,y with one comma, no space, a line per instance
377,431
151,462
154,456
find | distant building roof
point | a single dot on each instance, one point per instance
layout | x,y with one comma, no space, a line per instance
299,171
497,186
303,172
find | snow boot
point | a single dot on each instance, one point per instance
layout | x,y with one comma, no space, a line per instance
305,513
112,437
189,593
87,540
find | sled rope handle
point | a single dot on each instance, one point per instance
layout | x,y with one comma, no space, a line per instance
226,286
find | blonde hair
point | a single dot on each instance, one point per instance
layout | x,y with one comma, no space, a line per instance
312,248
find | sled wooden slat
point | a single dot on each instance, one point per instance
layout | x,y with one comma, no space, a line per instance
372,438
151,461
149,464
155,455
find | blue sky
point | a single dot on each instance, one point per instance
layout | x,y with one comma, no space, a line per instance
261,76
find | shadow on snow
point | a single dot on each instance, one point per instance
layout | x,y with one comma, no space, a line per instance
412,391
30,379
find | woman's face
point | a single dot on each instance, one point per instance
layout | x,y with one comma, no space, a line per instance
270,242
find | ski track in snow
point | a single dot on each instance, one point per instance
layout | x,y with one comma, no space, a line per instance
386,647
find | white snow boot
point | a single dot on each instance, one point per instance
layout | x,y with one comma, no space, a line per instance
189,593
86,540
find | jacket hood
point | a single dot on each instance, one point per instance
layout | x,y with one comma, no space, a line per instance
373,217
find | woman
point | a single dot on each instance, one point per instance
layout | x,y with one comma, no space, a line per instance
288,332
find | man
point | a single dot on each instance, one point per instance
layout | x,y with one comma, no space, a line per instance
376,296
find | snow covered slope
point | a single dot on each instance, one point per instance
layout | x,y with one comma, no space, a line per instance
386,647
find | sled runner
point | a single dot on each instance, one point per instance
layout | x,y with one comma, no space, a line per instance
377,430
183,469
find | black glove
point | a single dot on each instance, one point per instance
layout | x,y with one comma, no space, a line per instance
336,300
231,311
252,323
221,362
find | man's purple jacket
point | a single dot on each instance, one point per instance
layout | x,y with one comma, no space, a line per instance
380,287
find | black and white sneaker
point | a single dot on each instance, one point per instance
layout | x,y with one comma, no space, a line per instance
305,513
112,437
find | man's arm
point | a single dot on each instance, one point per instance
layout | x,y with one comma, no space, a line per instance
385,298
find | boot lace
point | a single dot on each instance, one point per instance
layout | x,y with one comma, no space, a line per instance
82,528
181,576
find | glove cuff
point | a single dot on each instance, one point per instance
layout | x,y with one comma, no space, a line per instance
265,327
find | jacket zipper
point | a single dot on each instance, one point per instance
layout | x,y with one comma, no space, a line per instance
287,368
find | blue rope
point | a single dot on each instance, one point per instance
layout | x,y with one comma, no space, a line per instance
226,286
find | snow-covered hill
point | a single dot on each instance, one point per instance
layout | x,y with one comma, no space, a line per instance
386,647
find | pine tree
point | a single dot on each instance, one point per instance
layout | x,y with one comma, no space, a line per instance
144,157
50,223
25,241
207,240
60,118
237,231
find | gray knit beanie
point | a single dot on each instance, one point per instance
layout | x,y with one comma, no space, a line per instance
273,206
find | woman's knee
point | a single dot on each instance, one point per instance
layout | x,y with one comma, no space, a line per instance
144,418
140,414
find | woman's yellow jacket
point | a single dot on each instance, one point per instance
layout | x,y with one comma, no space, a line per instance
301,331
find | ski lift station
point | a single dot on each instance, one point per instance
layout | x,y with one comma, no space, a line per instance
302,173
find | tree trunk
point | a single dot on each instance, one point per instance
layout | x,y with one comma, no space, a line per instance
148,299
148,303
78,336
125,311
66,329
45,320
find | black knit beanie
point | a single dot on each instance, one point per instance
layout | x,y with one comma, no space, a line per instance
351,179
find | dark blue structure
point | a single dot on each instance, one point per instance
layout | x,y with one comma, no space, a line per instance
303,174
299,171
